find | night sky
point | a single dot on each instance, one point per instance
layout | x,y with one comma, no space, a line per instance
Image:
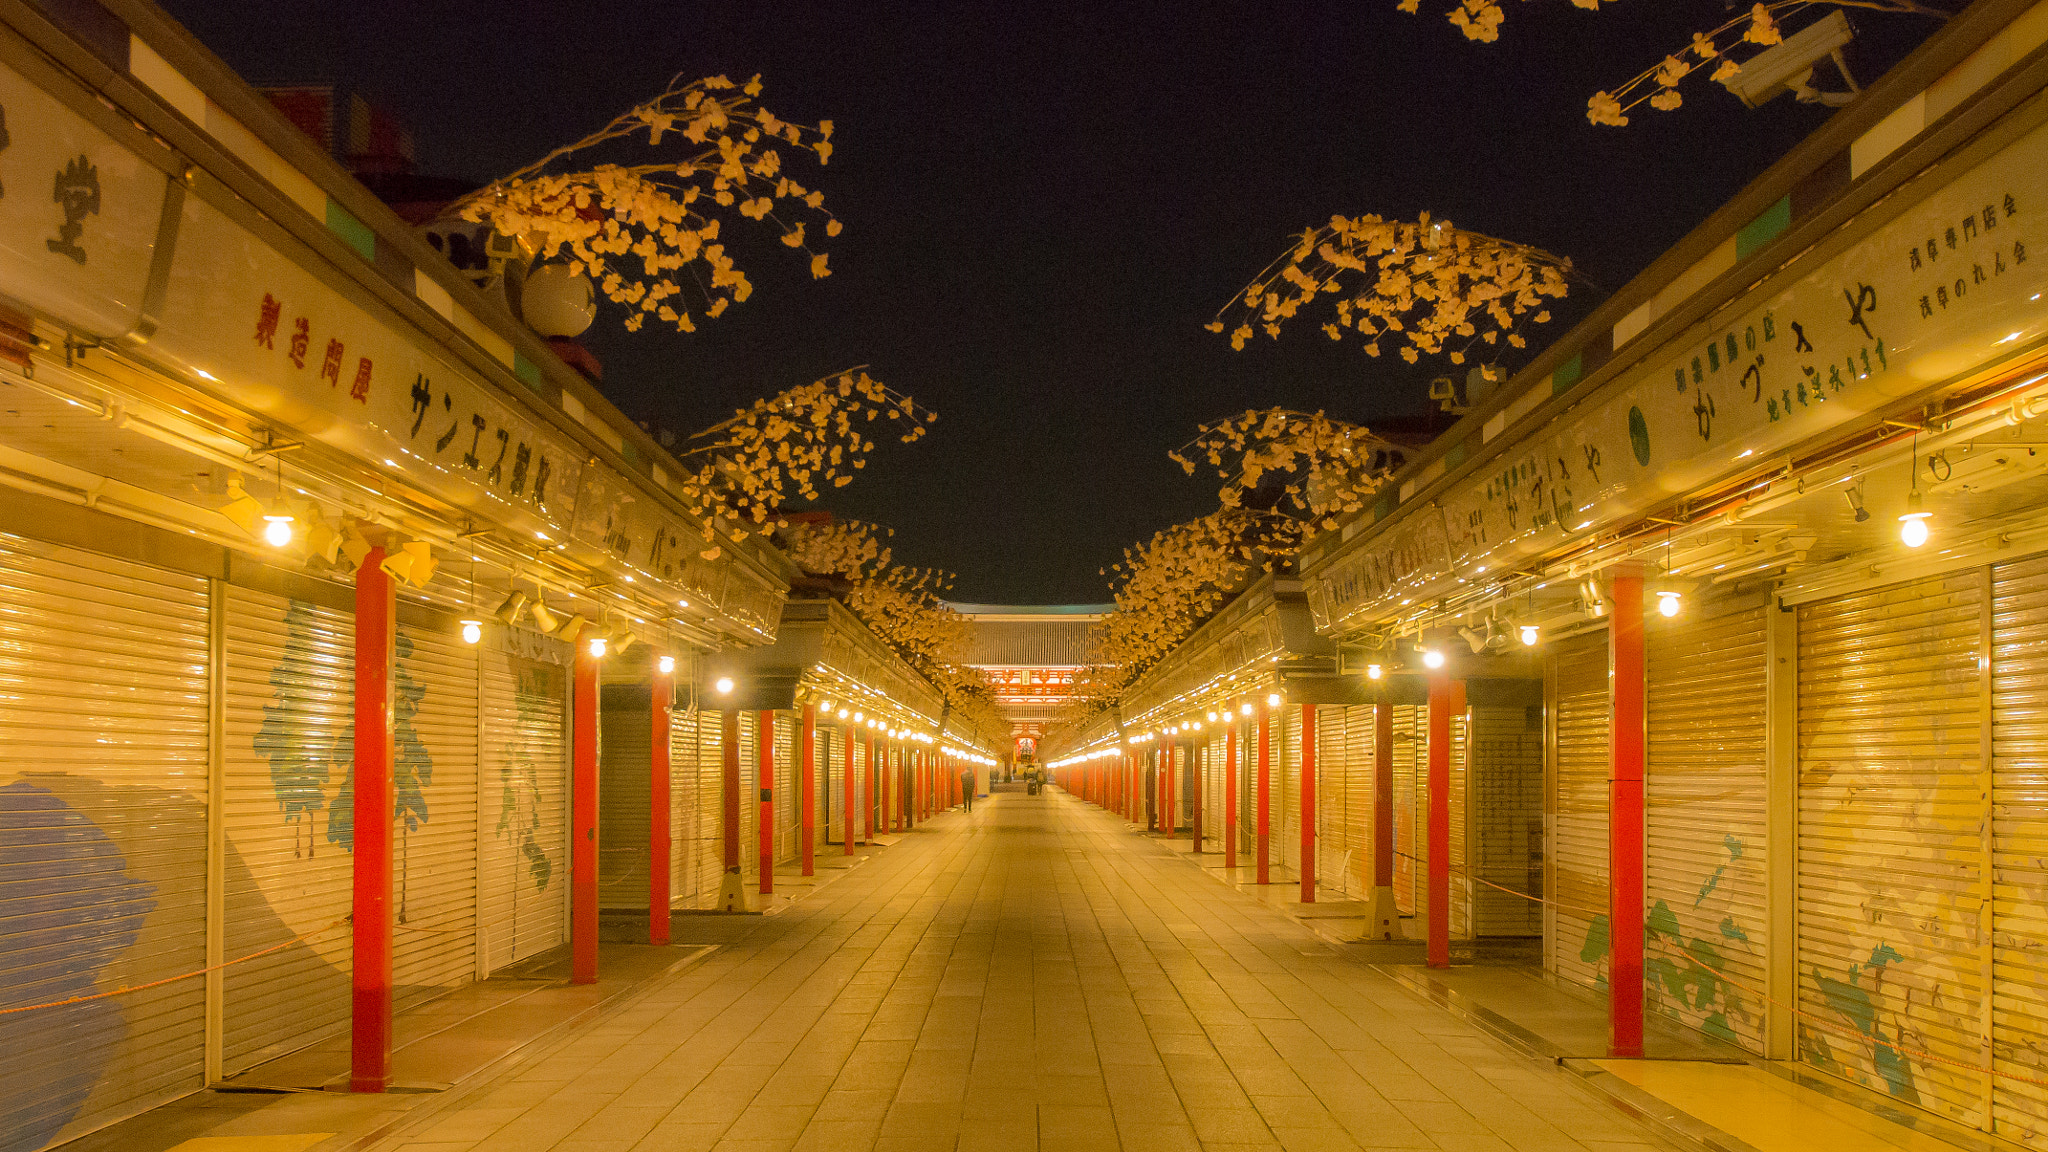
1044,203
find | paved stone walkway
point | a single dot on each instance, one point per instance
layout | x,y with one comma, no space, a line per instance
1031,976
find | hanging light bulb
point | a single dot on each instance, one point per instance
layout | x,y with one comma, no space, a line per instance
1374,672
1272,699
472,631
1247,709
842,713
277,526
1667,603
598,645
724,685
1913,525
667,664
858,718
1529,635
1432,657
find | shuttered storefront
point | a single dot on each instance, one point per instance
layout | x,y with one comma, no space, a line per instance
1333,781
525,803
103,747
624,799
289,754
1504,762
1286,817
1461,825
1891,784
1706,813
1409,849
2019,794
1361,757
788,739
1576,946
694,758
434,846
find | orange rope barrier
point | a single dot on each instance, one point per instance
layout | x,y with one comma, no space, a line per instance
182,976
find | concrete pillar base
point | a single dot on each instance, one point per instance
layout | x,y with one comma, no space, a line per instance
732,892
1383,920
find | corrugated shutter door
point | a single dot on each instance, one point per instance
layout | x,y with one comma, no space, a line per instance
682,794
1286,823
623,807
1409,850
1360,758
1582,709
788,735
1504,763
103,711
290,732
1333,846
2019,789
1890,848
1706,812
708,845
750,801
1461,828
434,738
525,796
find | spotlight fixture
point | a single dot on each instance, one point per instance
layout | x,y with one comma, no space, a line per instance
724,685
544,619
511,608
573,627
472,631
667,664
623,641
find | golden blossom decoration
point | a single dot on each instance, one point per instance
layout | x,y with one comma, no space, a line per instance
743,472
649,234
1431,285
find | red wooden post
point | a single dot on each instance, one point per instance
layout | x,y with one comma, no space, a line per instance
1308,803
375,804
583,822
660,842
729,799
810,789
764,776
1445,697
846,805
1264,799
1230,793
1625,822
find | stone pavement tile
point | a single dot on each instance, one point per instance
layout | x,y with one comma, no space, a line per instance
770,1122
1228,1125
1136,1137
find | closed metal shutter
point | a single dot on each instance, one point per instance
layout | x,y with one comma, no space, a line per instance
1504,769
788,738
707,842
2019,792
1576,947
290,748
1286,817
1706,800
1410,852
1333,779
1461,827
525,796
1891,813
750,801
1360,758
623,806
103,769
683,802
434,762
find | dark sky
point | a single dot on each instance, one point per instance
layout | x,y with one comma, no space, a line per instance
1044,202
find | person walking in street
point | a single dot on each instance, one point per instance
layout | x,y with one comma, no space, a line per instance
967,787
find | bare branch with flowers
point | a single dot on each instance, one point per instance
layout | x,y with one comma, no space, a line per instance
745,471
1725,47
1431,285
648,234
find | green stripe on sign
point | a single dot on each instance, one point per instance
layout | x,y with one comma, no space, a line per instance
352,231
1567,374
527,371
1764,228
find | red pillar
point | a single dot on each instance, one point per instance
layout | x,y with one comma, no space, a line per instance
660,843
764,776
1230,794
375,804
846,806
1625,822
810,789
1264,799
583,822
1308,803
1445,697
1383,797
729,793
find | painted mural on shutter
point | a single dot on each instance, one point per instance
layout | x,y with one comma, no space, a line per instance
1891,790
434,850
290,749
2019,792
103,717
525,797
1577,945
1704,949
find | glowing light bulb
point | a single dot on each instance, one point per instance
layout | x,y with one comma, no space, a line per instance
1246,710
1667,604
277,529
842,713
667,665
859,719
1529,635
1374,672
1913,525
1433,658
724,685
597,646
472,631
1272,700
